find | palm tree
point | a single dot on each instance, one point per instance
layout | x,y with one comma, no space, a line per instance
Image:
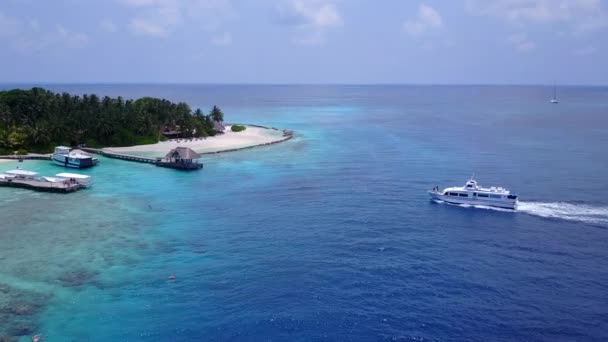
216,114
37,118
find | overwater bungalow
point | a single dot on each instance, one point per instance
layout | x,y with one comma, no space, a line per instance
181,158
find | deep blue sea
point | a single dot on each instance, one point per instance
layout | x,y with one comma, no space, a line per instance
331,235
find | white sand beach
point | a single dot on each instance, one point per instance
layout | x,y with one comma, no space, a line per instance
252,136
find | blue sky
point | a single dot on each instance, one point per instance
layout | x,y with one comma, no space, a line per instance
305,41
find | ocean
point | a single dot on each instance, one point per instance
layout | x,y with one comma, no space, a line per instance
331,235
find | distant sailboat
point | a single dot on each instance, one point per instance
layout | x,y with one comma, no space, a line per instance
554,99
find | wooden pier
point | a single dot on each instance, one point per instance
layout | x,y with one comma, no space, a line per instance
115,155
30,156
37,185
155,161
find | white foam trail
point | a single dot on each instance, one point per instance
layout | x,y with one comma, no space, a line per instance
476,206
493,208
555,210
566,211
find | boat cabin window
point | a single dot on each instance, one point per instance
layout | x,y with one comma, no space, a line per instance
453,194
470,186
512,197
495,196
463,195
482,195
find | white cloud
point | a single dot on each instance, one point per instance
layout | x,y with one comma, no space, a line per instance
50,39
148,28
222,39
155,21
581,15
316,13
521,42
108,26
160,18
310,18
70,38
29,36
427,19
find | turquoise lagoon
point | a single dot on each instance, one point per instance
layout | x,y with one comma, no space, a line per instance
328,236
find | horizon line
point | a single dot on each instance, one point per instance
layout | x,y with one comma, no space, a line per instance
294,84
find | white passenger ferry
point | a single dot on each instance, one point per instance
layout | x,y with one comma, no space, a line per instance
67,157
474,194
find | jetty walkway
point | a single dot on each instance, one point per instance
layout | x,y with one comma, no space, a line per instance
137,159
29,156
146,160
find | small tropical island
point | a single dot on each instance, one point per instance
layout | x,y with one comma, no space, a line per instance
37,120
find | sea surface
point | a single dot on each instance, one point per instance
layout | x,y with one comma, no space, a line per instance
331,235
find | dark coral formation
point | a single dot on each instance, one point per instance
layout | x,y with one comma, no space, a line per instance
17,313
7,338
76,278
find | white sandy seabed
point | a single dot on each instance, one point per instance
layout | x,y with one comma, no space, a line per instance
252,136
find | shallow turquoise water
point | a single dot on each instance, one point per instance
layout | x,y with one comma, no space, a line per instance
330,235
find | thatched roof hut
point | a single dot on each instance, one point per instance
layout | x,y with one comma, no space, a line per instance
182,153
218,127
181,158
172,134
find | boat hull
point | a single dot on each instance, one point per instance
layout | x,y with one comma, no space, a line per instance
497,203
65,161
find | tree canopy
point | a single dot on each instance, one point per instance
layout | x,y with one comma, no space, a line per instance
216,114
39,119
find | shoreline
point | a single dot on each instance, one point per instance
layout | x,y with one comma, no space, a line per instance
253,136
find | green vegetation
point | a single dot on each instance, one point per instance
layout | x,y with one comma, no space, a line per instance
216,114
37,120
237,128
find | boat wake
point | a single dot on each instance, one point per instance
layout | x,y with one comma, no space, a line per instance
566,211
553,210
476,206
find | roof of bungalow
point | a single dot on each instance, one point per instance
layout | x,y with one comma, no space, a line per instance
183,152
218,126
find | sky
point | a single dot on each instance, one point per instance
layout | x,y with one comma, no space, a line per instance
305,41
